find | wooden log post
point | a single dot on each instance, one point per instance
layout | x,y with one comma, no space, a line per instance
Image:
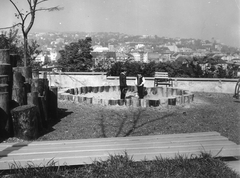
14,58
4,114
121,102
172,101
18,94
42,86
35,74
43,111
6,70
95,89
4,79
35,101
25,122
154,103
135,102
26,73
128,102
5,88
53,99
106,88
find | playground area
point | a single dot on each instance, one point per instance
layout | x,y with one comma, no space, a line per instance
208,112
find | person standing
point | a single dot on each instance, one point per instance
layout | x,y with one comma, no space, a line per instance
123,83
139,82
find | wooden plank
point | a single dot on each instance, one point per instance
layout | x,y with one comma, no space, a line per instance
55,148
178,137
117,150
76,158
75,152
146,142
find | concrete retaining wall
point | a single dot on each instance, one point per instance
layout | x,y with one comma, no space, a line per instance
163,97
78,79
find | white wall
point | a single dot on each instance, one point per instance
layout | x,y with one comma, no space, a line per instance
66,80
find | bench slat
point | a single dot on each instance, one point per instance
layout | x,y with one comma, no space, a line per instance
114,139
26,150
76,152
76,158
162,78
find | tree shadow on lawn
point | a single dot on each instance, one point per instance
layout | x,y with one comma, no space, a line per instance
48,126
126,125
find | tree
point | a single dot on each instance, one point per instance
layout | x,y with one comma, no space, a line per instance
10,41
27,19
77,56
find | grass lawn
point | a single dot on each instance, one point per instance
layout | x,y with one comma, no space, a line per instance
209,112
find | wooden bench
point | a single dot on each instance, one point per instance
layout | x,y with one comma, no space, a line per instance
162,78
85,151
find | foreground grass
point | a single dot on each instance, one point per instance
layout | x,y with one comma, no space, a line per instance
119,166
208,112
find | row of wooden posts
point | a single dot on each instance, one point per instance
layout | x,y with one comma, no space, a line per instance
27,103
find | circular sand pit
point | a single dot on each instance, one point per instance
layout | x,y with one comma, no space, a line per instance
110,95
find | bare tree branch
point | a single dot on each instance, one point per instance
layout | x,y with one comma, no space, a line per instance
49,9
41,1
20,14
33,10
11,26
26,27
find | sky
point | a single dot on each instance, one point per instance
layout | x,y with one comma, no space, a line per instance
198,19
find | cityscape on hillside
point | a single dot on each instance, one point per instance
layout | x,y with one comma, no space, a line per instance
144,48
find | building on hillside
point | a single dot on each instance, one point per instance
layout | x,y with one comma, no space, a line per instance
140,56
165,57
123,57
198,54
98,48
228,58
40,58
111,48
173,48
153,57
185,50
139,46
103,57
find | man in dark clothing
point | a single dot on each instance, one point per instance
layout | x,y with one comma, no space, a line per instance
123,84
139,82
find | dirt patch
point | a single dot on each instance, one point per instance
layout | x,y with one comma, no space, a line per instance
116,95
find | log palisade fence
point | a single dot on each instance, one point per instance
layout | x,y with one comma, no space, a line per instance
27,103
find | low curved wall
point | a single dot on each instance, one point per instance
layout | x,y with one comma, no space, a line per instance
78,79
162,96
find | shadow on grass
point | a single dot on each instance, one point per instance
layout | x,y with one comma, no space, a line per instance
48,126
126,125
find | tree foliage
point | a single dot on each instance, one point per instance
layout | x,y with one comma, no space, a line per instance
190,68
9,40
77,56
26,20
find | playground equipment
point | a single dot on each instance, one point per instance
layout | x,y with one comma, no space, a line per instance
237,90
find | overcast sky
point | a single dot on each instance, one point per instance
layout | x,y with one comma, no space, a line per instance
199,19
